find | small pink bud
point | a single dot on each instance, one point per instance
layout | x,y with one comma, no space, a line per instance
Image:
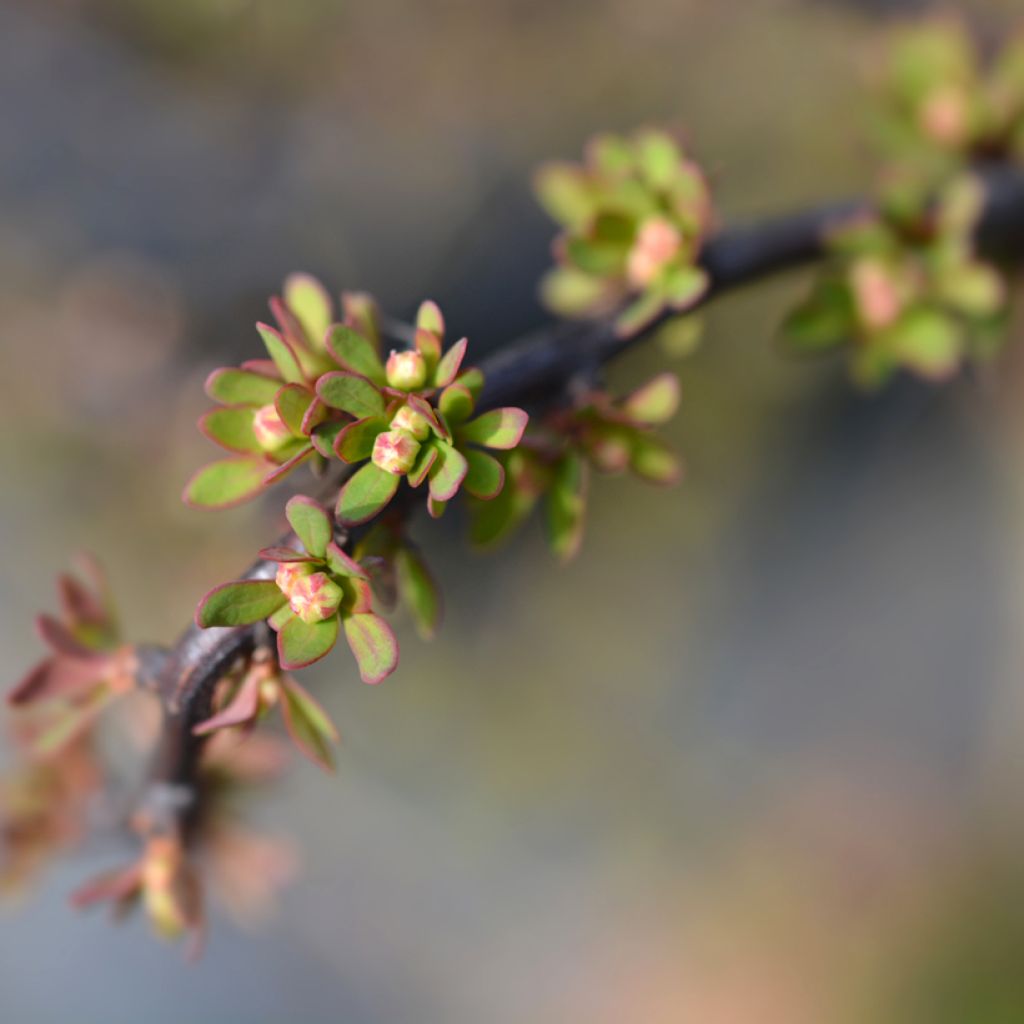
270,430
406,370
395,451
412,422
944,115
875,293
315,598
657,243
289,573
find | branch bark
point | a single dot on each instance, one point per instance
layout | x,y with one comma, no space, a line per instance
533,372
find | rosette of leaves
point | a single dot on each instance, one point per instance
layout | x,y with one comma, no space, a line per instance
906,290
554,464
634,215
413,419
317,593
942,105
269,416
86,669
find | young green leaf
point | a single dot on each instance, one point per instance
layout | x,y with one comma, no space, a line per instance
301,643
281,353
448,368
241,387
351,393
418,591
356,353
292,404
374,646
227,482
308,300
239,604
565,507
485,476
499,428
365,494
311,523
231,429
308,724
355,440
655,402
447,472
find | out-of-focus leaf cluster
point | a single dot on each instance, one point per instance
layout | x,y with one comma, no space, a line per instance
634,216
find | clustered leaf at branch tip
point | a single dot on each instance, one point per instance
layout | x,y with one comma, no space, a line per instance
901,288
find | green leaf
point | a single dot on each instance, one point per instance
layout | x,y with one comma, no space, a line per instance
310,303
654,402
325,436
658,156
639,314
424,463
419,592
231,429
571,292
280,351
365,494
355,440
428,344
926,341
241,387
679,336
227,482
653,460
565,507
456,403
485,475
563,191
373,644
447,472
344,565
308,724
301,643
356,353
499,428
292,403
239,604
429,318
351,393
448,368
311,523
601,259
825,320
975,289
684,286
473,380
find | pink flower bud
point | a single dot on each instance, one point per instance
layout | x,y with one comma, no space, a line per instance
406,370
876,295
315,598
289,573
657,243
270,430
945,117
395,451
412,422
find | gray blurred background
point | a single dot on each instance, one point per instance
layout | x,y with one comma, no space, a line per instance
753,758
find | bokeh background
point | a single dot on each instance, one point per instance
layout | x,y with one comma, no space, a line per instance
755,757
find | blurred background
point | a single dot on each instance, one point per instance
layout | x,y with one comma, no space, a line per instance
753,758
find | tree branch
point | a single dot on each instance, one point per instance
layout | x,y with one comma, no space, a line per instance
535,372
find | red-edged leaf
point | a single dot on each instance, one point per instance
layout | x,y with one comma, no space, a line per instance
456,403
301,643
655,402
355,440
419,591
308,724
447,473
57,636
242,708
424,462
239,604
227,482
374,645
365,493
311,523
292,404
356,353
565,507
429,413
285,555
448,369
430,318
428,344
499,428
342,564
231,429
485,475
279,472
435,508
284,357
241,387
308,299
653,460
111,886
55,677
324,436
351,393
316,414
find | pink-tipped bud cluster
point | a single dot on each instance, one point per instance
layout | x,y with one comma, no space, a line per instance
395,451
412,422
271,431
657,243
315,597
876,295
406,371
289,573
